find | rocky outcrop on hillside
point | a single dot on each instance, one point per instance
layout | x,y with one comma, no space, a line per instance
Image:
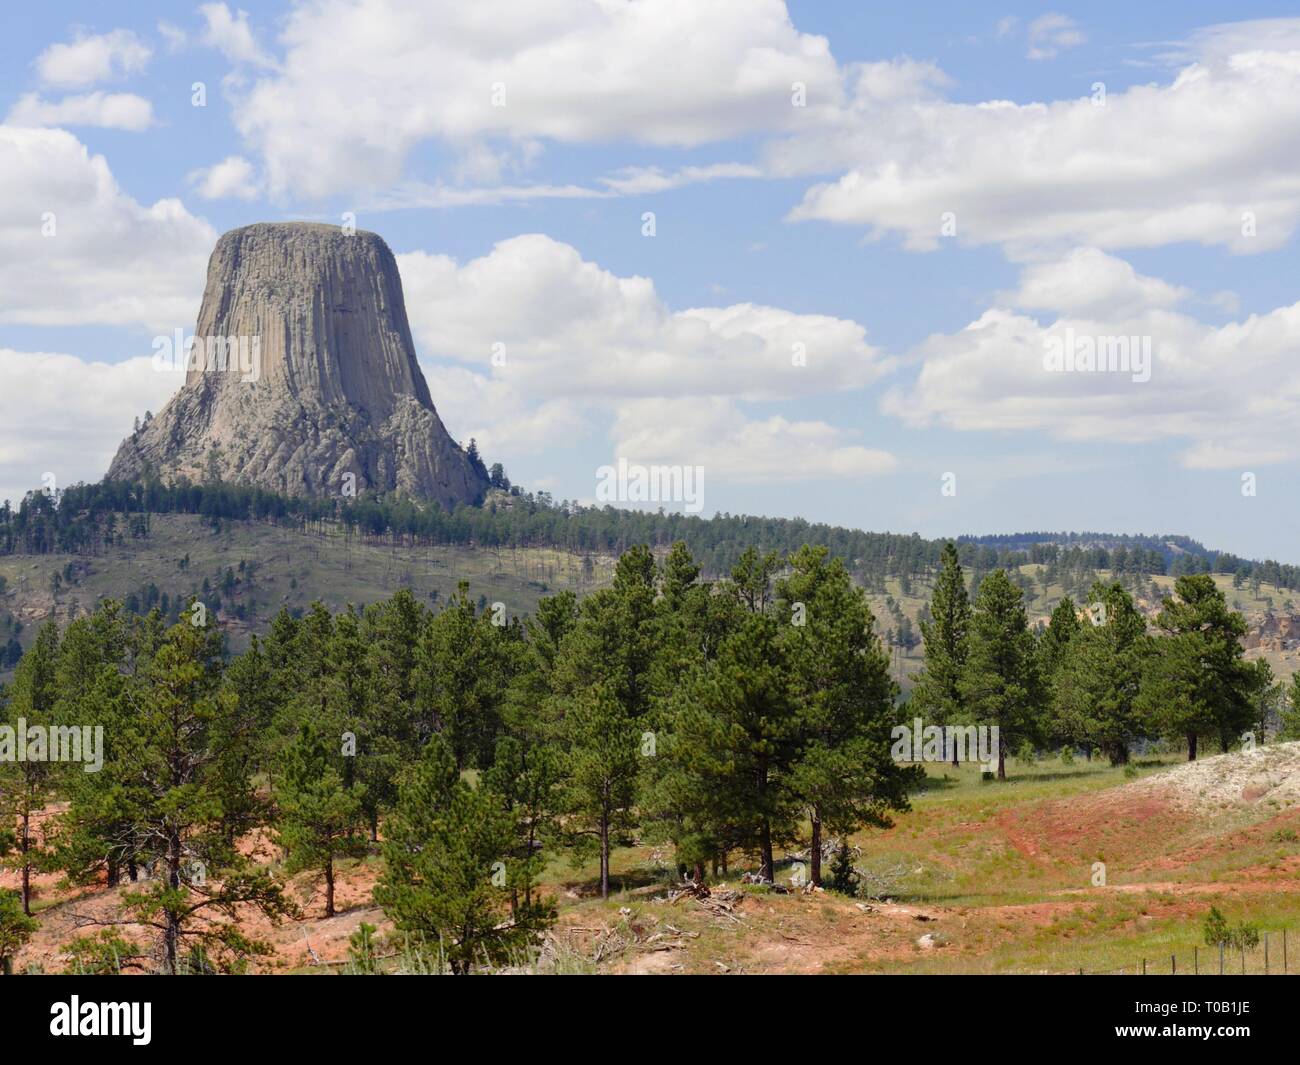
1274,632
302,377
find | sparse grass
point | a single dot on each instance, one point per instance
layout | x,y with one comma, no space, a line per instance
294,569
999,907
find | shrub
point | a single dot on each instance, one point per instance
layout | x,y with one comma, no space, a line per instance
1219,933
844,878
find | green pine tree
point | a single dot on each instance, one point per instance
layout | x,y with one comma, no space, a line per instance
600,773
1098,676
1002,682
446,851
319,814
1063,626
1290,712
1196,681
733,738
937,693
16,928
844,773
26,786
175,789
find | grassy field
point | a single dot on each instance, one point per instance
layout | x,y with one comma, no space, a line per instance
998,876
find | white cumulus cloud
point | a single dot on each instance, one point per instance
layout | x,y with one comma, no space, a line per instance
657,72
547,345
92,58
66,416
113,110
232,178
1225,394
1211,156
76,249
567,326
230,34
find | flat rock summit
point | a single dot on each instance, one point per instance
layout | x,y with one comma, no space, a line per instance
302,377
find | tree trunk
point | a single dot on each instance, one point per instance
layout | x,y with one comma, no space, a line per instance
767,865
1002,759
329,887
114,872
172,933
24,847
815,851
1191,746
604,856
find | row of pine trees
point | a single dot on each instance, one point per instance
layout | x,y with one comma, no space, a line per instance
1097,677
465,747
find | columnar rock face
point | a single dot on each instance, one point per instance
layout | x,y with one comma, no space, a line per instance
311,377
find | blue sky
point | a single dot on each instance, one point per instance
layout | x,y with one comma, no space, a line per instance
780,225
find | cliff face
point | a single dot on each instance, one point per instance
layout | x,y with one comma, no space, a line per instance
304,373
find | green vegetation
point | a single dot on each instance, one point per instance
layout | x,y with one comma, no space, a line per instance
717,717
708,722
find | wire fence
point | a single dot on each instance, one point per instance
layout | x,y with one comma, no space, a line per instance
1269,957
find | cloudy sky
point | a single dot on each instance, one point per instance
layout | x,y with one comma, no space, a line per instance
818,249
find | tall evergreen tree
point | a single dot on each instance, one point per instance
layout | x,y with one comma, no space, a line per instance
1063,626
94,689
174,795
600,773
319,814
937,692
1197,682
444,853
528,779
844,773
1097,679
463,668
734,735
16,928
1290,711
25,785
603,685
1002,682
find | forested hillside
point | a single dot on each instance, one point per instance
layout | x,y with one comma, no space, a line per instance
88,519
